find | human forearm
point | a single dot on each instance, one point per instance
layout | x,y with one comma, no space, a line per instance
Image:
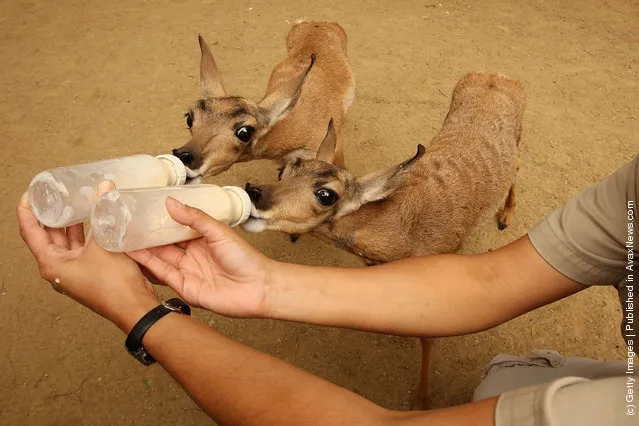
429,296
410,297
237,385
481,413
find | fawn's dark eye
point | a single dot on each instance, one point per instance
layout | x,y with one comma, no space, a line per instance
245,133
189,119
281,172
326,197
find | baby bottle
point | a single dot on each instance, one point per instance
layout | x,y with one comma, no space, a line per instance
133,219
62,196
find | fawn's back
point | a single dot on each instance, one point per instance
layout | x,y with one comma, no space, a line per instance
465,174
327,93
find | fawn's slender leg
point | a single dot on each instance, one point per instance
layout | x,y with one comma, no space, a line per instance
505,216
421,399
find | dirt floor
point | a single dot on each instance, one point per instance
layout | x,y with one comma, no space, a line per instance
87,80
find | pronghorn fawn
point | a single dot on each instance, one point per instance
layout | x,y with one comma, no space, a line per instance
423,206
313,84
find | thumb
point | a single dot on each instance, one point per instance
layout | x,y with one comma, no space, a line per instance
199,221
102,188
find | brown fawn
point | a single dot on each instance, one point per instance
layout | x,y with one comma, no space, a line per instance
313,84
423,206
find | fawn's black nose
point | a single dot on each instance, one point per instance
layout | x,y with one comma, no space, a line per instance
187,157
254,193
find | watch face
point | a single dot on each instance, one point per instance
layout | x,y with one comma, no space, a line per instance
143,356
170,304
177,305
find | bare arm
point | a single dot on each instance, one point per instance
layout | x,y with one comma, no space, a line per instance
430,296
440,295
237,385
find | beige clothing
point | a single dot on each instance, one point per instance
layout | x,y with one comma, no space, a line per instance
508,372
592,241
566,402
586,239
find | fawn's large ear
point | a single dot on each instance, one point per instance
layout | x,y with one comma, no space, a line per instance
209,76
280,101
383,183
326,151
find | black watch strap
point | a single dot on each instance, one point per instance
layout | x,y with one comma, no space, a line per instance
133,341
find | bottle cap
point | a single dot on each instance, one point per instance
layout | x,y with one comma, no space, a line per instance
246,203
178,167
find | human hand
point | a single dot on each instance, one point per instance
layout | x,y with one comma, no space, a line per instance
109,284
218,271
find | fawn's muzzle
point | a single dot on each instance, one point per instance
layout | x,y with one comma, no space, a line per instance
188,157
260,196
254,193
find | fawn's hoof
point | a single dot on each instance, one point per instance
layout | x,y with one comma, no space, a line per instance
501,226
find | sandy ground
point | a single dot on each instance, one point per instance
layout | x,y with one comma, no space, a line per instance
86,80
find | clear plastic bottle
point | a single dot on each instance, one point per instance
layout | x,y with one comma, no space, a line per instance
127,220
62,196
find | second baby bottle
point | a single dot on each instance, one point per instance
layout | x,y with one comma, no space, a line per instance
127,220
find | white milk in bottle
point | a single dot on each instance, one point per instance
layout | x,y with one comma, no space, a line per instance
62,196
127,220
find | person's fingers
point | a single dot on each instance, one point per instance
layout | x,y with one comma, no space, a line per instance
182,244
75,234
36,238
58,236
199,221
169,253
149,275
102,188
159,268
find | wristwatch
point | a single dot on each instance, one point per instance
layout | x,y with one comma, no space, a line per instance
133,341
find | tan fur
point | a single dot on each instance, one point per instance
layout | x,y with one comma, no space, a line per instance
423,206
468,168
429,206
290,119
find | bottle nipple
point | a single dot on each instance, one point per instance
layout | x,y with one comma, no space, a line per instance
178,169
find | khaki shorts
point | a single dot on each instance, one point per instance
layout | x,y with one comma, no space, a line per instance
549,389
